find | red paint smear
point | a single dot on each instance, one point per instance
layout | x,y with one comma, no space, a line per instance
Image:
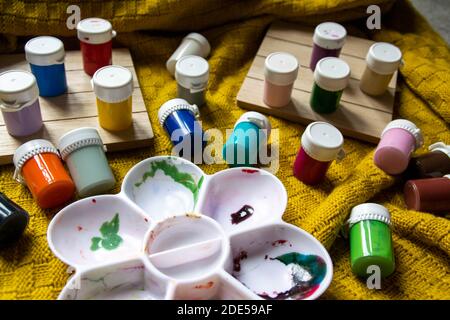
205,286
146,220
250,171
79,228
94,201
311,291
279,242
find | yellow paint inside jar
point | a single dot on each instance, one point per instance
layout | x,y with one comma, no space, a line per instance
115,116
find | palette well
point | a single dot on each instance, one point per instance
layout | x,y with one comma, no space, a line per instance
176,233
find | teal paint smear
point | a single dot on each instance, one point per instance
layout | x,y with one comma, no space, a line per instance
172,171
313,264
110,238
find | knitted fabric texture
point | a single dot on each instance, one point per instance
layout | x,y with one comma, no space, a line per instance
153,29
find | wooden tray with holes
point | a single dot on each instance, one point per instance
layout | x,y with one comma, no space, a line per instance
77,108
359,115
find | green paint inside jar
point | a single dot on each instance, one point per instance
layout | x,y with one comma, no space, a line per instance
324,101
90,170
371,244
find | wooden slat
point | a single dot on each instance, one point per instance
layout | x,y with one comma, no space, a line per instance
78,108
359,115
366,125
139,135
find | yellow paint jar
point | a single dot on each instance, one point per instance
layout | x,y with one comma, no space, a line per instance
113,87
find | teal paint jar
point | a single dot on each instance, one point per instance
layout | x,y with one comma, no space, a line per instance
83,151
370,240
330,79
250,135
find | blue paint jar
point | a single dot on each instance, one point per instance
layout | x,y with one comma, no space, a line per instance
250,134
46,58
179,119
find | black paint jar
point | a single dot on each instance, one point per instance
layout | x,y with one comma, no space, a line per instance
13,220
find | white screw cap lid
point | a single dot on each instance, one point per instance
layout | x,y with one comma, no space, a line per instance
369,211
257,119
113,83
28,150
44,51
330,35
281,68
408,126
192,72
95,31
173,105
203,49
383,58
440,146
18,88
332,74
323,142
77,139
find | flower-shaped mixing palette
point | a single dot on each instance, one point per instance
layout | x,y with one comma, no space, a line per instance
174,232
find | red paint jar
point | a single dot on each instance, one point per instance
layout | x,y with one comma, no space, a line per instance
321,144
39,166
95,37
431,195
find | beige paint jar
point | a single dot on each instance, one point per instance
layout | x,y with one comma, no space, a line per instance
382,60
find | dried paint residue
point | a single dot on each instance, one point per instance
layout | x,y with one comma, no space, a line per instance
172,171
207,285
237,261
250,171
242,214
306,271
110,238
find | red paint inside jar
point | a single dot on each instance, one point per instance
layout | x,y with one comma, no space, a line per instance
96,56
309,170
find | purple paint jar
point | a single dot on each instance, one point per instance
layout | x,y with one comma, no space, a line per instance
328,40
19,103
398,141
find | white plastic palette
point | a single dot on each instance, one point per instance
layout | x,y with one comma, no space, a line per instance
151,242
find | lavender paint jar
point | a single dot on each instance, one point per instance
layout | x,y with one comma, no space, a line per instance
19,103
328,40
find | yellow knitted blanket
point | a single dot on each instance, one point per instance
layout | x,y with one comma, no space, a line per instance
153,29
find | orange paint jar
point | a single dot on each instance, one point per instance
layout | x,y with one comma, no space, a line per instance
39,166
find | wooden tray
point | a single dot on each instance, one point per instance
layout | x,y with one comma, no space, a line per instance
359,115
77,108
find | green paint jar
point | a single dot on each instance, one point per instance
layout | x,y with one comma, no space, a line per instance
370,240
83,151
330,79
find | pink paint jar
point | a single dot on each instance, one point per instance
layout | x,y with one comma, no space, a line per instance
95,37
321,144
398,141
280,72
328,40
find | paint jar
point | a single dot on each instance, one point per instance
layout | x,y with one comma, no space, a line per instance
371,240
39,166
328,40
432,195
83,151
95,37
46,58
250,134
19,103
179,119
382,60
280,73
192,73
433,164
113,87
13,220
193,44
330,79
321,144
398,141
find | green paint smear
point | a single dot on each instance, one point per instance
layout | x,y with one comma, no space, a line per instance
314,264
110,238
172,171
